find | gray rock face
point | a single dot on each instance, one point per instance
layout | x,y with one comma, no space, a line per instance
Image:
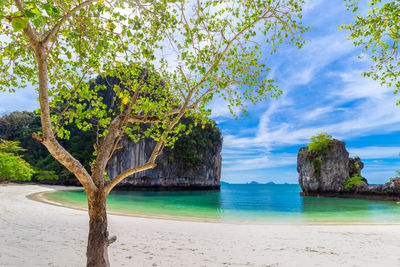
168,174
327,176
387,191
334,168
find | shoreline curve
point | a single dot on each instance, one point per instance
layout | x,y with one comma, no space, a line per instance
39,197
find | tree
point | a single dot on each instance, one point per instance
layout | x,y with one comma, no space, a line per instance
12,166
378,33
171,58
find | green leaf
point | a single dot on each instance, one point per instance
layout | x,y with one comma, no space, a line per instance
19,24
49,9
29,13
37,22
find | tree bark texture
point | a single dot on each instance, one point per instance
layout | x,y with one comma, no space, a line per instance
97,248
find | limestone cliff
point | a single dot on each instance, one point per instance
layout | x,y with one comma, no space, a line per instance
194,163
168,174
328,174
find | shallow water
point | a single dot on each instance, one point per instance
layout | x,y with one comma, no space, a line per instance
243,203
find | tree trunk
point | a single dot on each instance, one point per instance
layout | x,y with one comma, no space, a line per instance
97,248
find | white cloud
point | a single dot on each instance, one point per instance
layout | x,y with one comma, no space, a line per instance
261,162
360,87
375,152
311,5
377,112
317,113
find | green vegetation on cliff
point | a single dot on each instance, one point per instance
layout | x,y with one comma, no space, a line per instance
353,180
317,165
319,144
202,140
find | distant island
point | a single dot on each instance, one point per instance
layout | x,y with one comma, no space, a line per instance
254,182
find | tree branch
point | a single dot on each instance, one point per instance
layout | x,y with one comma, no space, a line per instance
53,31
123,175
104,148
69,101
48,139
218,60
29,31
156,151
124,121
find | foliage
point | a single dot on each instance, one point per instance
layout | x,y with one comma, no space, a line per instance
46,175
319,144
19,126
12,147
211,41
202,140
12,166
354,168
353,180
398,172
378,32
317,165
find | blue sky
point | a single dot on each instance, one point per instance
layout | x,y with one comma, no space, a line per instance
323,92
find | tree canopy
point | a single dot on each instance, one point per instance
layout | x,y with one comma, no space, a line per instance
172,57
377,31
12,166
206,48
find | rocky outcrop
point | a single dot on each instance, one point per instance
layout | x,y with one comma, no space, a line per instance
328,174
387,191
169,173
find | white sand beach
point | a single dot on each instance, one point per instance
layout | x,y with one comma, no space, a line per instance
38,234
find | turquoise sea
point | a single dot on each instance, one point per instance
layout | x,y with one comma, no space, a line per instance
241,203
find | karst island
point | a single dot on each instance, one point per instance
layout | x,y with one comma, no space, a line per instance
199,133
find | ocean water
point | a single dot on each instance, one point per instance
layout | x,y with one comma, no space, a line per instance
241,203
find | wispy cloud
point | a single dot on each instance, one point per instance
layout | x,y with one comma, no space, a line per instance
375,152
261,162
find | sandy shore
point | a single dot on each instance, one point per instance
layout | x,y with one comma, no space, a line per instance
38,234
